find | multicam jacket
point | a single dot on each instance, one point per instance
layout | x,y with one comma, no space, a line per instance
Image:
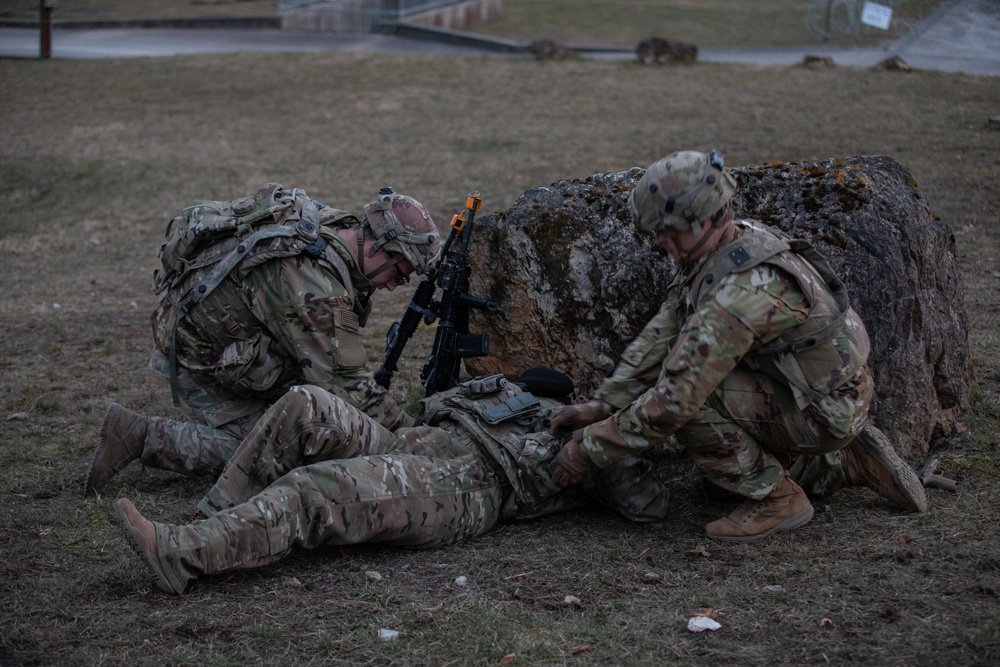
285,314
752,303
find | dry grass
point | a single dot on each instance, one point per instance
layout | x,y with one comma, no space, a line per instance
95,156
705,23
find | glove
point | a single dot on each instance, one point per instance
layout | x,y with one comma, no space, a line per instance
571,465
573,417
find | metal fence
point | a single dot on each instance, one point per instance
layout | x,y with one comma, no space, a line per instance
859,19
363,14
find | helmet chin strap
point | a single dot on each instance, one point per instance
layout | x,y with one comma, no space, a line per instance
687,254
361,257
382,267
702,241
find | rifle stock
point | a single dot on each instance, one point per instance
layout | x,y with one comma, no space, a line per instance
452,340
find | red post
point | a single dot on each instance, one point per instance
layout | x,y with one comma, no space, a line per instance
45,27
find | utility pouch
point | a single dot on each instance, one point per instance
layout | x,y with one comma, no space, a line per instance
246,366
511,408
484,385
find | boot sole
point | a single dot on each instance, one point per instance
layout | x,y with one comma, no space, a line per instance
141,547
911,495
791,523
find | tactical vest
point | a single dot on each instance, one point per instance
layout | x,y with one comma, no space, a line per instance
212,239
498,416
824,351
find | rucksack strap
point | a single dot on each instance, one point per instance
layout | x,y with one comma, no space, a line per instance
305,230
203,288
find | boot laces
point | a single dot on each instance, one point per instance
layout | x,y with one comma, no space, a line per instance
747,511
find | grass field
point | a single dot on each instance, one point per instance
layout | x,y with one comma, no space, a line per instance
704,23
96,156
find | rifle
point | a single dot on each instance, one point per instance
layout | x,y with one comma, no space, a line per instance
452,340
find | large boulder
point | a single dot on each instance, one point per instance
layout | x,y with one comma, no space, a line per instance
576,283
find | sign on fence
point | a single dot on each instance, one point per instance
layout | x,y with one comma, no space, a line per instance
876,15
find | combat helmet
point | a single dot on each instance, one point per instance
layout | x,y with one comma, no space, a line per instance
680,190
404,228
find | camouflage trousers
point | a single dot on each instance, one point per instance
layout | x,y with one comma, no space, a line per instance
307,425
317,471
751,431
192,448
430,487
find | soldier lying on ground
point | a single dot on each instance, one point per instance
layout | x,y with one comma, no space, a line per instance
260,294
316,471
756,362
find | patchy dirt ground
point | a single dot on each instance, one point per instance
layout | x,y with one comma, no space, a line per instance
97,156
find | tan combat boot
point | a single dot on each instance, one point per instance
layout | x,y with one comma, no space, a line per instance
870,460
141,535
785,508
122,437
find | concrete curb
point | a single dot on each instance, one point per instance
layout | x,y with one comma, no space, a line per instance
459,38
194,22
495,44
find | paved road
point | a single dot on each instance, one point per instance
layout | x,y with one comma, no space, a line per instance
153,42
962,36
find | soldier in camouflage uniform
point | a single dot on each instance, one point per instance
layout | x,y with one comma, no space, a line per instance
257,295
317,471
755,361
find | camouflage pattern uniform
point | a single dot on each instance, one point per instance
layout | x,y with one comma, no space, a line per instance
282,317
317,471
713,368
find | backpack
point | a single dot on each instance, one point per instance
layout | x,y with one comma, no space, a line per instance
211,239
208,230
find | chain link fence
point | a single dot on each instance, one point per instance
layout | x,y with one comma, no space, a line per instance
851,20
363,15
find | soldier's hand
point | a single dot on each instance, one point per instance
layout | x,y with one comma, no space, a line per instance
571,465
573,417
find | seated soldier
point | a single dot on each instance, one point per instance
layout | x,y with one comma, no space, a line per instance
277,301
